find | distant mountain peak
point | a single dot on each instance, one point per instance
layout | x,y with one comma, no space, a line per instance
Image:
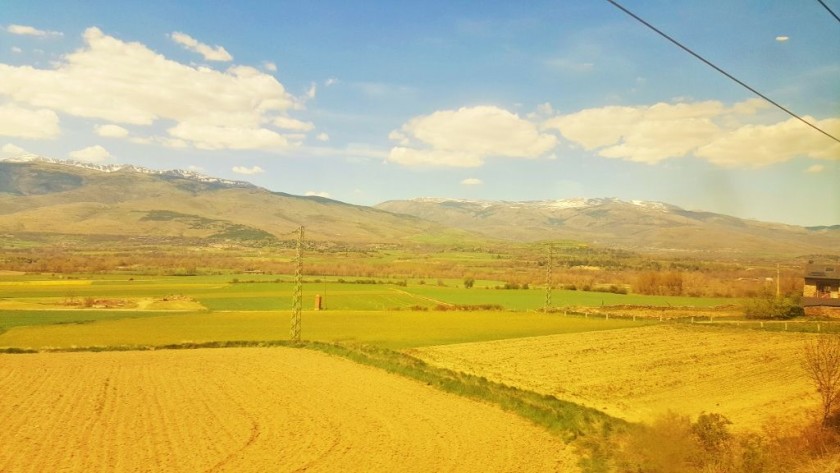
111,168
572,203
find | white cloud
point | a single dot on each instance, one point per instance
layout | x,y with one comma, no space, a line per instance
323,137
782,39
330,82
11,150
287,123
30,31
312,91
727,136
16,50
248,171
815,169
210,53
27,123
466,137
759,145
91,154
472,181
111,131
269,66
325,195
126,83
204,136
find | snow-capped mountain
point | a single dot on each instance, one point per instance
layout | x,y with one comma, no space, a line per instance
634,224
112,168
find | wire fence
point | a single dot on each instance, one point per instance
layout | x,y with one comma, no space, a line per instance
794,325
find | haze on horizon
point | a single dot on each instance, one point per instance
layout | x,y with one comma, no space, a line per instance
381,101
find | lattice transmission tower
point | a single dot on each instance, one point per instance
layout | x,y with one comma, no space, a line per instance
548,268
297,297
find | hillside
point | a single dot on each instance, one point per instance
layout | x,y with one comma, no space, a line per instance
47,196
633,225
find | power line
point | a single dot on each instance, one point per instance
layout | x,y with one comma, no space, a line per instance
829,10
708,63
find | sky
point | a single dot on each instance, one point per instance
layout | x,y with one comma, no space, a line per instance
370,101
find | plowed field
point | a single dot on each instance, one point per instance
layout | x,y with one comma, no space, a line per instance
637,374
249,409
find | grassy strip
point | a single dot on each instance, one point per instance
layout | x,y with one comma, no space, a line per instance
565,419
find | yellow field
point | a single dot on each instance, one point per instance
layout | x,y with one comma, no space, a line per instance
640,373
249,409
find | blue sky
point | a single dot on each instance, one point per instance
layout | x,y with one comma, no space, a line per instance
370,101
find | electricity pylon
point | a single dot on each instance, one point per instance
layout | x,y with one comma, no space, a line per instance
548,268
297,297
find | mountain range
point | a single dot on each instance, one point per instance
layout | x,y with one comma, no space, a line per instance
47,196
637,225
39,195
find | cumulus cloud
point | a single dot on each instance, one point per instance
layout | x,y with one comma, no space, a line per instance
24,30
325,195
323,137
472,181
287,123
210,53
727,136
269,66
111,131
466,137
27,123
782,38
248,171
91,154
759,145
815,169
127,83
211,137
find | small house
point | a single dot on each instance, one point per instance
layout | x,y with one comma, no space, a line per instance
821,294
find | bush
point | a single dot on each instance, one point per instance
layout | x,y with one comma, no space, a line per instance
771,307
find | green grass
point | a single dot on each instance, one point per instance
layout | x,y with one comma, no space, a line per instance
394,330
531,299
9,319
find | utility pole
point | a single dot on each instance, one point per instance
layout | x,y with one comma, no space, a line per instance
778,281
297,297
548,269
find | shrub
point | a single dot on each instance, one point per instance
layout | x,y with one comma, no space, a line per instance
768,306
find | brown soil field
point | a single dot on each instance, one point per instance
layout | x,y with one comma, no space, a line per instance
640,373
249,409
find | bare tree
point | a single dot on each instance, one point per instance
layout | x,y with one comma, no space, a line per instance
822,363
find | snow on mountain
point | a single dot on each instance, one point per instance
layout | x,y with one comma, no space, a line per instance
110,168
560,204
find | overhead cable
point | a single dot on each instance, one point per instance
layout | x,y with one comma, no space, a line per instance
708,63
829,10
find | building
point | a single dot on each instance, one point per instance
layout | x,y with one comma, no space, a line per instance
821,294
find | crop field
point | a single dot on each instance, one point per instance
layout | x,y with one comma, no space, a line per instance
394,330
254,409
268,292
640,373
258,409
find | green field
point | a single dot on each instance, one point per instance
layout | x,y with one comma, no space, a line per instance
45,311
388,329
